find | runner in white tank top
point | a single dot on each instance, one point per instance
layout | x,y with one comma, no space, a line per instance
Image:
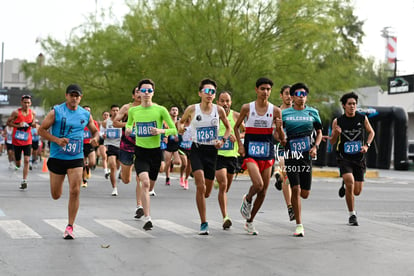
204,124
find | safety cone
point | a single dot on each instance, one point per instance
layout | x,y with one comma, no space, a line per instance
44,169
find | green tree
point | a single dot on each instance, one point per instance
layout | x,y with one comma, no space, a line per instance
179,42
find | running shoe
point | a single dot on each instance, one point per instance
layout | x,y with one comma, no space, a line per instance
182,183
251,230
115,191
152,193
186,184
341,191
148,225
353,220
291,213
107,175
227,223
300,231
23,184
84,183
167,181
203,229
246,208
279,180
139,212
68,235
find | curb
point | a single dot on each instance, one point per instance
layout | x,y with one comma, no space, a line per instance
327,172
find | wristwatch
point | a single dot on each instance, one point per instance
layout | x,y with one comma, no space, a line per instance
368,145
317,147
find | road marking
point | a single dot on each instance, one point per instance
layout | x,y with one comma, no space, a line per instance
173,227
78,230
2,214
265,227
18,230
123,229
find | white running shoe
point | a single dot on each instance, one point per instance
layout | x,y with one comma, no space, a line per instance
115,191
249,227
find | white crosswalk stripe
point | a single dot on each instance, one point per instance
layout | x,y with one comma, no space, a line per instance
78,230
123,229
18,230
173,227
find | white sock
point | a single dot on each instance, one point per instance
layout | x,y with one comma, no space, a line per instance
352,213
147,218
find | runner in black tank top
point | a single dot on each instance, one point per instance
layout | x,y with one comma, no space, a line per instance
348,131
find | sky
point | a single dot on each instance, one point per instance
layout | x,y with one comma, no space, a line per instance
22,22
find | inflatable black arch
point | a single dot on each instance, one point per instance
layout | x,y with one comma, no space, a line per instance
390,125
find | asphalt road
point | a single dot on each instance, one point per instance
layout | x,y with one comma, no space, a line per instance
109,241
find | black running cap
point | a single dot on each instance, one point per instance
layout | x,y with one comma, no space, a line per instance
74,88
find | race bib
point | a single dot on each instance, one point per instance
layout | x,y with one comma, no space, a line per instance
206,134
21,135
113,133
352,147
71,148
259,149
300,144
186,145
228,145
87,134
144,129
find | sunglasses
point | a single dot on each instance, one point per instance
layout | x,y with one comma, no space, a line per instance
209,91
149,90
300,93
26,97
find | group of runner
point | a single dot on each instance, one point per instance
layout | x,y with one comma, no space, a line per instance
211,136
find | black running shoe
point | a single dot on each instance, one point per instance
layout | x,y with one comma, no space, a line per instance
279,181
353,220
341,191
291,213
148,226
139,212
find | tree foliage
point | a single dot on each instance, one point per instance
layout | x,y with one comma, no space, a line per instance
178,42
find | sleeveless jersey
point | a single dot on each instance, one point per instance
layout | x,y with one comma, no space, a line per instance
299,125
69,124
205,126
35,135
9,135
87,135
22,136
186,139
351,139
229,149
258,138
127,142
113,134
